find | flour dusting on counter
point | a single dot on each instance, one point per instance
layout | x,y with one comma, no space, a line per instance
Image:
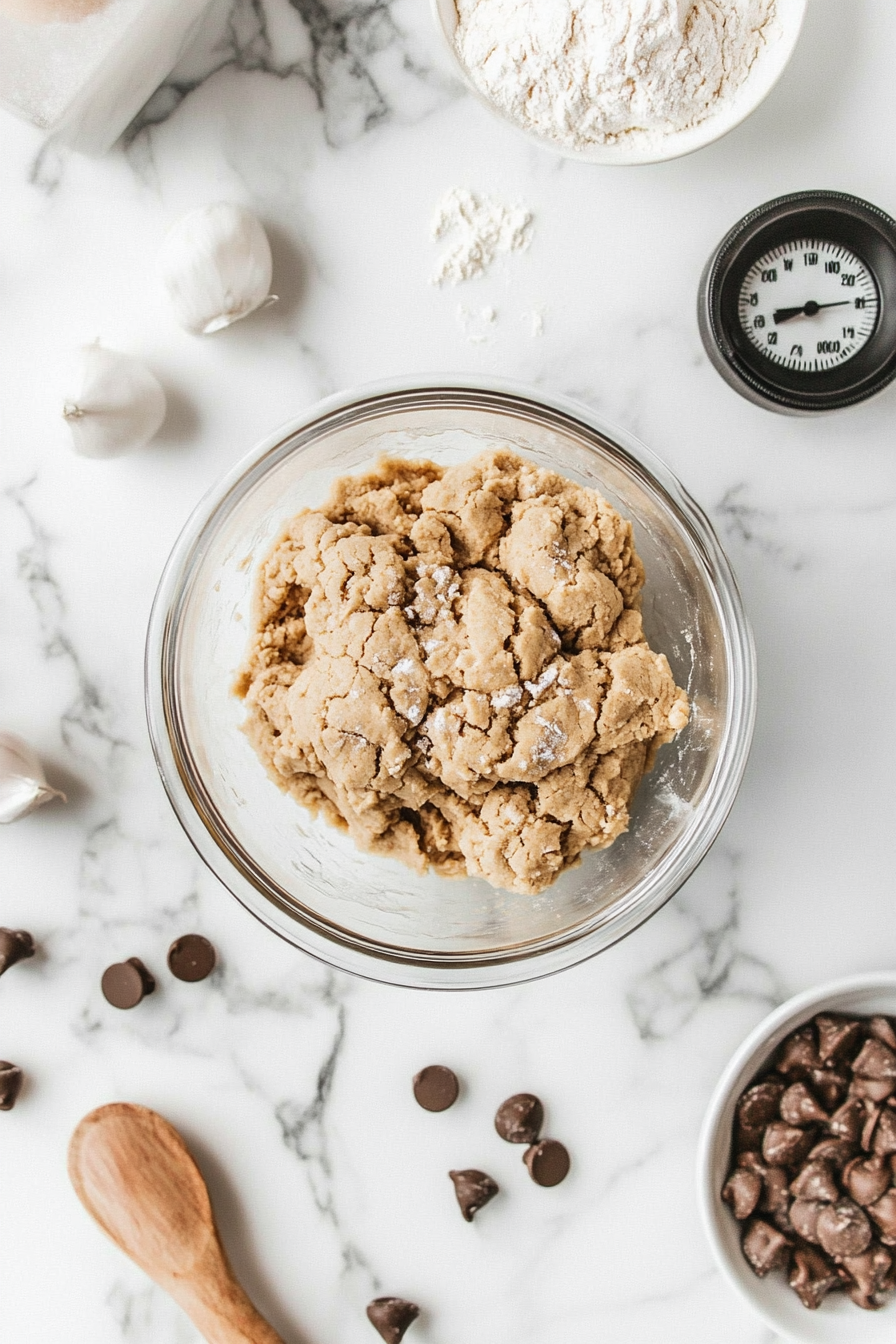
479,228
588,72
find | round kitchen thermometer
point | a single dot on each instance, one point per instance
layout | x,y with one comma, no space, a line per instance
797,305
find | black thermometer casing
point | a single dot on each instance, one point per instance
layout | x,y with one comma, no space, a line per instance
842,220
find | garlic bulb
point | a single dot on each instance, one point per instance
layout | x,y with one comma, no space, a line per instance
216,265
112,404
23,784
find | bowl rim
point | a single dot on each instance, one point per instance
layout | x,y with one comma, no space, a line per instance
456,971
746,1061
676,145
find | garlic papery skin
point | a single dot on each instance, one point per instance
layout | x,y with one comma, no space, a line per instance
216,266
112,403
23,784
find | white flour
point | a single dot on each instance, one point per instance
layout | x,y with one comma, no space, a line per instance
586,72
479,228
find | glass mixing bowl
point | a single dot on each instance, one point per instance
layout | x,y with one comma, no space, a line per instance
303,878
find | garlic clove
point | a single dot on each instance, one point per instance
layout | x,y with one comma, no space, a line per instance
216,266
113,404
23,784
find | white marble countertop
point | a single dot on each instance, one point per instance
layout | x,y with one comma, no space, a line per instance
339,121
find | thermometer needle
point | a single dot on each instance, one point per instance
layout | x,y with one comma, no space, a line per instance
809,309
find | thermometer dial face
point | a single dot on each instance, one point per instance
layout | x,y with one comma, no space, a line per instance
808,305
797,305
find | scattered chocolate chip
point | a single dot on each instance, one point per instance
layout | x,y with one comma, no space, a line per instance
884,1140
784,1145
548,1162
759,1104
836,1151
843,1229
765,1247
883,1211
191,957
837,1036
846,1122
436,1088
870,1275
812,1276
15,945
775,1193
875,1060
872,1089
882,1028
391,1316
10,1084
816,1181
474,1190
519,1119
125,983
799,1107
797,1054
804,1218
742,1190
866,1179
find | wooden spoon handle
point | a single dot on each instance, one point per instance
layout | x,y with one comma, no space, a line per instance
218,1307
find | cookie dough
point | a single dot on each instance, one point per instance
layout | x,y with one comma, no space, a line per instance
450,664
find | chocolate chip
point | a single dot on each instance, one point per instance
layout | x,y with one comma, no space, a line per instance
836,1151
474,1190
843,1229
882,1028
11,1077
846,1122
548,1162
765,1247
125,983
866,1179
837,1036
784,1145
870,1274
797,1054
436,1088
884,1140
519,1119
872,1115
804,1217
759,1104
816,1181
15,945
799,1107
872,1089
742,1190
883,1211
875,1060
391,1316
775,1193
829,1086
812,1276
191,957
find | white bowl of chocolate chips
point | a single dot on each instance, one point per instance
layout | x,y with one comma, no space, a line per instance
796,1165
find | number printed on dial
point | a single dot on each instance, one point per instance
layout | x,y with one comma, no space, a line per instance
809,305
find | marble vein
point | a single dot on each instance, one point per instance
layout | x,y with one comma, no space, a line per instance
362,67
87,725
709,965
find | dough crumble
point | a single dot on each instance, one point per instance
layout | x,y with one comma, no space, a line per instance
450,663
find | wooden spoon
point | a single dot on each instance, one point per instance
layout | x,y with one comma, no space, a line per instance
132,1172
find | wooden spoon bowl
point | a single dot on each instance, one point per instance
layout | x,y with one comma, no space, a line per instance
132,1172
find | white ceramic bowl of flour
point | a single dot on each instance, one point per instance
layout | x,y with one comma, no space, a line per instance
779,38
